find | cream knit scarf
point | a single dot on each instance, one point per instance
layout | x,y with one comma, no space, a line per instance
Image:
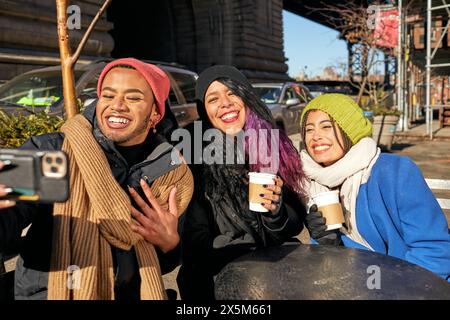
97,216
347,174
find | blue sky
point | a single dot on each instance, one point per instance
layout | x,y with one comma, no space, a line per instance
310,44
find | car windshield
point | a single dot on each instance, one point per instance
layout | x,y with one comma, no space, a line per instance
315,94
269,94
40,89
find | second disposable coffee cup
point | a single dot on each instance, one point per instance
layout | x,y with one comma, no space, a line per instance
328,203
257,180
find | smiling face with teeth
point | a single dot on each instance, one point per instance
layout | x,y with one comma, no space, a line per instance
323,138
125,106
225,110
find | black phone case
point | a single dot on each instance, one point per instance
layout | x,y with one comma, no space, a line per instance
25,172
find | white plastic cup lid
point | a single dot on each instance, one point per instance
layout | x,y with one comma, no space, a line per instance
261,177
326,198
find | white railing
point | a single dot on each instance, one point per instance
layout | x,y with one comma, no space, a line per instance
440,184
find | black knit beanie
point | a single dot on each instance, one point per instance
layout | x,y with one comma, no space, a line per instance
213,73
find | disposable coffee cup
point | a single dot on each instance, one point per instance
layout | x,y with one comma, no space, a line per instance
257,180
328,203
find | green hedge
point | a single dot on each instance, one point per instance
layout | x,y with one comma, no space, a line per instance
14,130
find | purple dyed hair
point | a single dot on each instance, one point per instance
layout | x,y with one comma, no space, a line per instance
290,167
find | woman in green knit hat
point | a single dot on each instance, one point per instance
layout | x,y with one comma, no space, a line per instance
388,207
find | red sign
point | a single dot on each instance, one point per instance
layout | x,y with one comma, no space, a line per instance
386,28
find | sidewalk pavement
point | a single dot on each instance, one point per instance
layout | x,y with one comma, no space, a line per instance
432,157
419,132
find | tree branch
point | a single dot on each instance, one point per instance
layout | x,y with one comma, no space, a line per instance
88,32
67,59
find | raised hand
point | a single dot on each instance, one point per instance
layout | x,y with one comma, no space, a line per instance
272,199
3,192
157,225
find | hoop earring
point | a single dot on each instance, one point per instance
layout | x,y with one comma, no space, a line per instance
154,122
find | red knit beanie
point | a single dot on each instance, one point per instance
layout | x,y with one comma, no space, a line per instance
156,78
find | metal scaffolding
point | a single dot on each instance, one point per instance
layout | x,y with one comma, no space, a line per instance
429,57
400,67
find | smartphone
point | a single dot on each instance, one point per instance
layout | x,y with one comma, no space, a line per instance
35,175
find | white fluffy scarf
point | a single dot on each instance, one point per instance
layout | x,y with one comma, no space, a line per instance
347,175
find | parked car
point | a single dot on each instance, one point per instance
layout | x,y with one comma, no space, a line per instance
286,101
42,89
318,87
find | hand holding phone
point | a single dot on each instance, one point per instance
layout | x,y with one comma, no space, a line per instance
4,191
34,175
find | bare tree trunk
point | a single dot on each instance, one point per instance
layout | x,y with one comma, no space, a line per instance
68,60
70,101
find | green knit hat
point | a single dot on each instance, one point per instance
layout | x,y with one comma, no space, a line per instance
345,111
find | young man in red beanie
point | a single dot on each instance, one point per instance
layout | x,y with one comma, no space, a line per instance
116,145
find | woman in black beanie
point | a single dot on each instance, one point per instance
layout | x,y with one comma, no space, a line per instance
219,226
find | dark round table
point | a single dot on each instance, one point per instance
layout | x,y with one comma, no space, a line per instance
305,272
